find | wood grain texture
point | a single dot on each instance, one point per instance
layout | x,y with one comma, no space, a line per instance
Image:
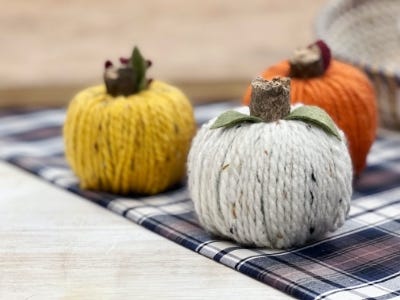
55,245
53,43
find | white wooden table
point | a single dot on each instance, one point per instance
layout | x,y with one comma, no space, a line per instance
56,245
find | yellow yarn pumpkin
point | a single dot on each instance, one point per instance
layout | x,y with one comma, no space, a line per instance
129,143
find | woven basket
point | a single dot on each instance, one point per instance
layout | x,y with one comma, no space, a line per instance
366,33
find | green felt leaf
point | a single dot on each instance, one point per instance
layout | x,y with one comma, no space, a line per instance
315,116
139,65
231,118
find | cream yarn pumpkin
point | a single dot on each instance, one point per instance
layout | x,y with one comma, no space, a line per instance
276,183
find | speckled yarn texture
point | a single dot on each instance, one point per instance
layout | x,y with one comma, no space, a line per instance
275,185
133,144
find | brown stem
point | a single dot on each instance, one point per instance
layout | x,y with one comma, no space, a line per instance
121,81
129,78
307,62
270,99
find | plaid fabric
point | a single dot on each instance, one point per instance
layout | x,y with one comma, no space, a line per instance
359,261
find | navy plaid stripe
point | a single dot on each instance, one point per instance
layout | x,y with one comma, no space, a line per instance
361,260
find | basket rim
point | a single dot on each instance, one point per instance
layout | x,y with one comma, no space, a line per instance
321,26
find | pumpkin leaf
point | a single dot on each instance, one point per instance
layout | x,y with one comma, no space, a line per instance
232,117
315,116
139,65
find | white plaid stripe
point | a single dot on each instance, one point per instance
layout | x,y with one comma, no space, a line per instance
38,149
16,124
370,289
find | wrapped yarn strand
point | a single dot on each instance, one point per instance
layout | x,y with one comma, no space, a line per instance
341,89
277,183
125,136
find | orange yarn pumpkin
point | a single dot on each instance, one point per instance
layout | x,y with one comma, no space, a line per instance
345,93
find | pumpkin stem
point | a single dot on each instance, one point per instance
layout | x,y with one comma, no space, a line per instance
129,78
311,61
270,99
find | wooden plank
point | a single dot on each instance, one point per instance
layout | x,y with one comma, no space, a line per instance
55,245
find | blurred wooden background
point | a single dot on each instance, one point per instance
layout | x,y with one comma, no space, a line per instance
212,49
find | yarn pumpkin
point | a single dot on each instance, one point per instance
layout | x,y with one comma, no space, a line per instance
270,178
342,90
131,134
